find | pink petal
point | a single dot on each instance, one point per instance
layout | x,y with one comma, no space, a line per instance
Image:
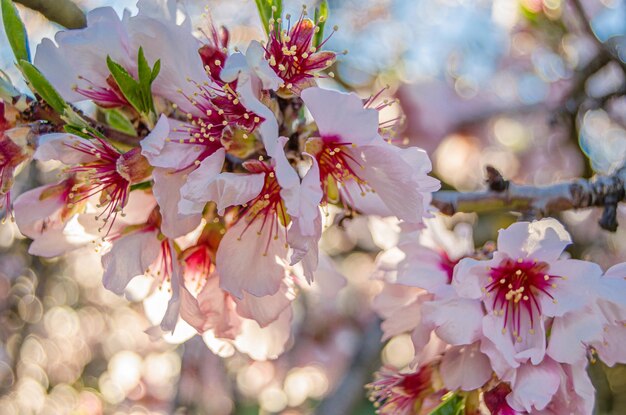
543,240
342,115
465,368
32,211
534,386
403,320
571,333
162,149
392,179
58,146
468,277
265,310
572,292
195,191
130,255
458,320
247,261
166,189
83,53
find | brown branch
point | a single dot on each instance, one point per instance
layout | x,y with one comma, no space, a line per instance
37,110
63,12
601,191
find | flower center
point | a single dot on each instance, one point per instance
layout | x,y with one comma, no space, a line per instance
221,108
337,164
291,53
268,207
397,393
109,174
516,287
197,266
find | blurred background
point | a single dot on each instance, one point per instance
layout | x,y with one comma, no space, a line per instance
533,87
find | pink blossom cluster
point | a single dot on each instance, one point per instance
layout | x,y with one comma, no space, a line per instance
513,325
222,200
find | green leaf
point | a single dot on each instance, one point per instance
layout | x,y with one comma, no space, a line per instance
41,86
321,15
141,186
269,9
453,405
15,30
137,92
128,85
118,121
155,70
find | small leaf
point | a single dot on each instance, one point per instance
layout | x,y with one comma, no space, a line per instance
15,30
118,121
128,85
41,86
143,69
80,132
141,186
155,70
321,15
453,405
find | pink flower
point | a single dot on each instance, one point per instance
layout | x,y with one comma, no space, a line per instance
258,237
143,250
293,57
77,67
98,168
523,285
426,258
396,393
211,308
354,159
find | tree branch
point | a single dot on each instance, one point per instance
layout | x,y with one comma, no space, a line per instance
63,12
37,110
601,191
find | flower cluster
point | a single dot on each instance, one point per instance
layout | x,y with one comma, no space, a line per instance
222,201
211,182
514,324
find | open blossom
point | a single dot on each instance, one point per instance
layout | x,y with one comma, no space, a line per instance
77,65
98,169
397,393
354,159
292,54
259,235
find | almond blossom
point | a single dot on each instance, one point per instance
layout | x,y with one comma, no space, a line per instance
292,54
355,160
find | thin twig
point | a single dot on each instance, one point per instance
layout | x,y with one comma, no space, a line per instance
38,110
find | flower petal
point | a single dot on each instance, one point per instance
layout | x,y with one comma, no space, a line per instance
249,259
130,255
465,368
342,115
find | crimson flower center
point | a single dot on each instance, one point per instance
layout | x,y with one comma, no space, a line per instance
516,287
